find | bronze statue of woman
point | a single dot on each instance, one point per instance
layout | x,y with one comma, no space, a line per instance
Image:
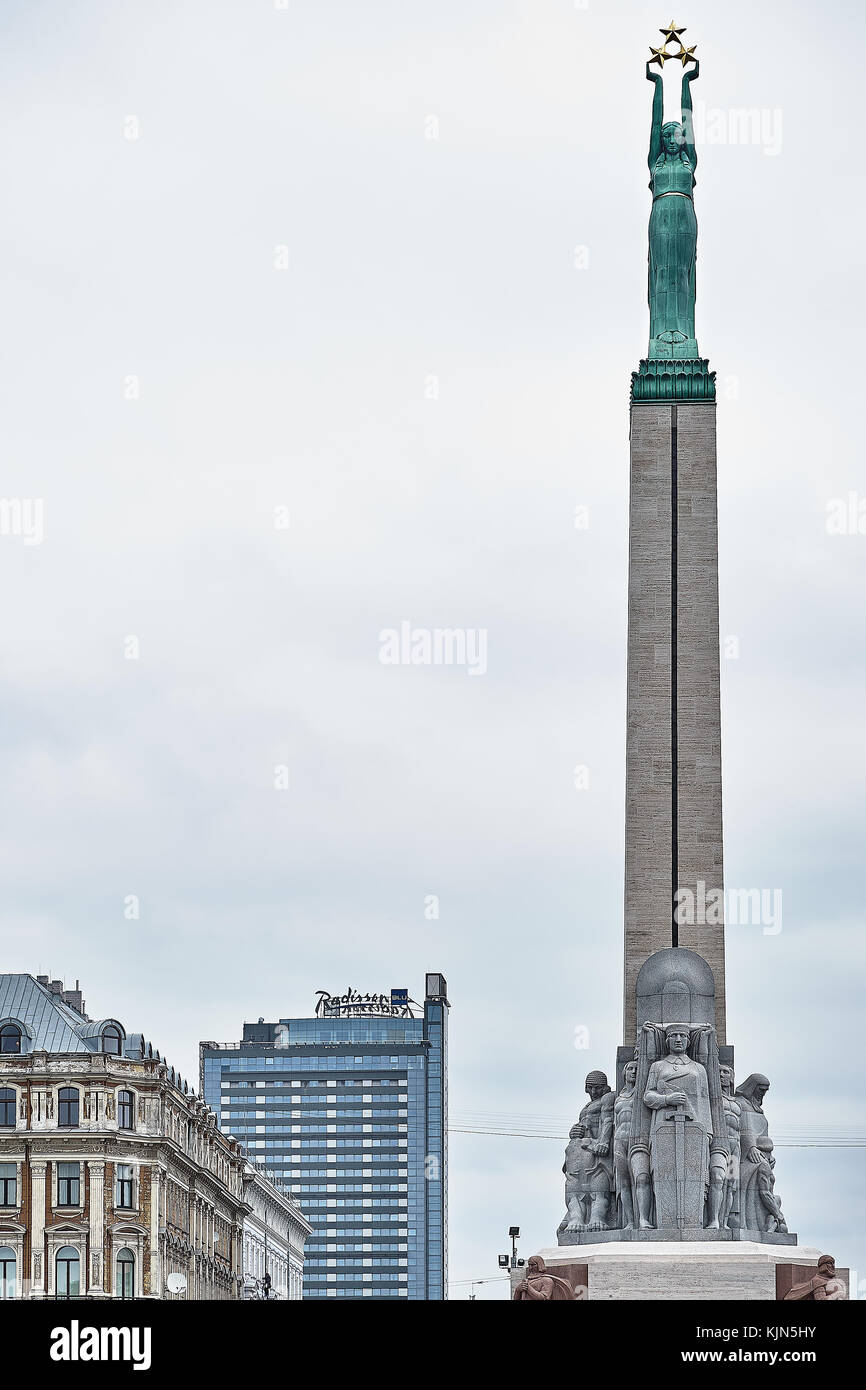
673,228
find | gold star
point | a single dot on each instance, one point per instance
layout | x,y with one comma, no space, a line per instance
687,55
659,56
672,33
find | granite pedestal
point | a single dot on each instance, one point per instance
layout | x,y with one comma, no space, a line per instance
699,1271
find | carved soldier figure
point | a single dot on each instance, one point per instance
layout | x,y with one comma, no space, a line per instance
760,1209
541,1286
622,1112
731,1203
588,1166
725,1169
773,1220
823,1286
678,1094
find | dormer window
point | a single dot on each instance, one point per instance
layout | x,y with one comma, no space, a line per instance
10,1038
111,1040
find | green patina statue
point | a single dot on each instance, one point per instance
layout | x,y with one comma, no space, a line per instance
673,228
673,369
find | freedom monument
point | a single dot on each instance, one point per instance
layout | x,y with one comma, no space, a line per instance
670,1181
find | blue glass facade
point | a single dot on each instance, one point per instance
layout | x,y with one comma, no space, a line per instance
350,1115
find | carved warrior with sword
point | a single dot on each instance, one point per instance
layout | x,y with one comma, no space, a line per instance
677,1092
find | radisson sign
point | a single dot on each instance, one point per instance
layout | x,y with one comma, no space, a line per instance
353,1004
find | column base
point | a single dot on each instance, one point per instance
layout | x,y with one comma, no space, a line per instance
690,1271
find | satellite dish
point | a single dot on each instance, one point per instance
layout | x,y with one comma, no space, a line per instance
176,1283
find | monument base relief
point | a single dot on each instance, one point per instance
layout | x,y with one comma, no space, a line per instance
746,1270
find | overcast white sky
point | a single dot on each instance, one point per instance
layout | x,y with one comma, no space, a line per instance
308,388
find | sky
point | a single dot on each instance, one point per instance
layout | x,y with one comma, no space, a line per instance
319,318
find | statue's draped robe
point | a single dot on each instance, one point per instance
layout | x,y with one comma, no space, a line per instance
673,247
753,1126
680,1074
545,1288
818,1289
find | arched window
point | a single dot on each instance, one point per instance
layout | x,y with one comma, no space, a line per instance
125,1274
10,1038
7,1107
111,1039
7,1272
68,1276
125,1110
67,1105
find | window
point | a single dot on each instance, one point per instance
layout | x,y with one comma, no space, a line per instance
69,1184
68,1277
110,1040
7,1106
67,1098
8,1185
125,1283
10,1038
124,1185
7,1272
125,1110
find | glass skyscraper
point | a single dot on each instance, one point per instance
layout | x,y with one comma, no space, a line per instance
348,1110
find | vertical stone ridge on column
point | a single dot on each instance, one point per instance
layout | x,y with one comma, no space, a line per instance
674,673
699,771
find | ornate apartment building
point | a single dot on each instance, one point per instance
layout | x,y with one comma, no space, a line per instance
113,1173
275,1230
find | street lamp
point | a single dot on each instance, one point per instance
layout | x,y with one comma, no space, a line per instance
514,1232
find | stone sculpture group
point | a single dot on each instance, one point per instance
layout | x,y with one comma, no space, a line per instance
678,1152
683,1178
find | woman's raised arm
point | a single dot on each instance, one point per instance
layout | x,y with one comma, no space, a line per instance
655,148
688,118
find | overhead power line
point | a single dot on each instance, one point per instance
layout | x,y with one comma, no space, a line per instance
809,1137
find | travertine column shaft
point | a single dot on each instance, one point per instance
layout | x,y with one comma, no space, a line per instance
673,742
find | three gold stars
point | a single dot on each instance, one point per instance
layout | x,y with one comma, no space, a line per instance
672,35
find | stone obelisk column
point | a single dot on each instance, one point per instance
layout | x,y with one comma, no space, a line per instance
673,836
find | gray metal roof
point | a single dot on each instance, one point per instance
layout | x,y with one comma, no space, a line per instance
52,1026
